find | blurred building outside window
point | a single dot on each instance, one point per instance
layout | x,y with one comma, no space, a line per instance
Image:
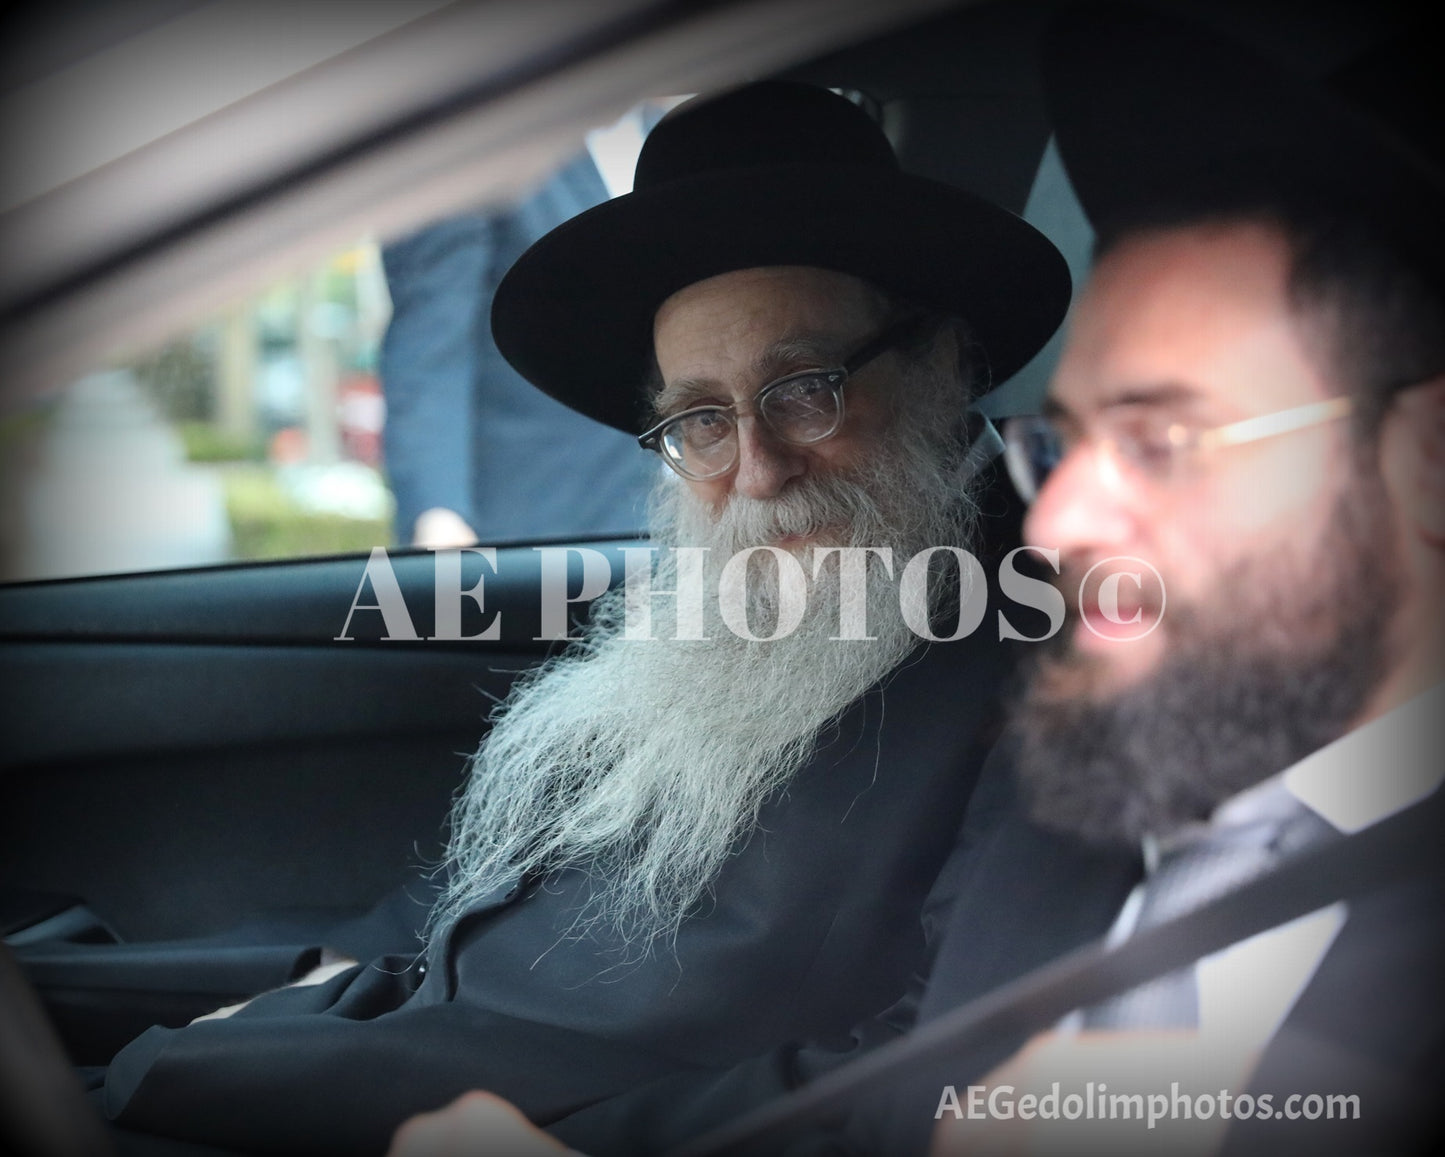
254,436
259,434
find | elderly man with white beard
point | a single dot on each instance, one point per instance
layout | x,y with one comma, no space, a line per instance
890,481
679,852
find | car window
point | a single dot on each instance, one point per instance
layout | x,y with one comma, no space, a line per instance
254,435
356,404
1053,209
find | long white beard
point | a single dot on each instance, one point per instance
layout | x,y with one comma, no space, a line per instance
645,761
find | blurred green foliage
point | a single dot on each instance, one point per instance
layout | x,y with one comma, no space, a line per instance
181,376
205,442
266,522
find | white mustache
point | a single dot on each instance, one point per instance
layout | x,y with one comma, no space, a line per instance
810,506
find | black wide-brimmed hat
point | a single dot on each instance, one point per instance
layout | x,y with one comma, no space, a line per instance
770,174
1152,108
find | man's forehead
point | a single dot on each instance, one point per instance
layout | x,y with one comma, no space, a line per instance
1188,318
763,318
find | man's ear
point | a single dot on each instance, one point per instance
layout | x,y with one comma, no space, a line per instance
1412,453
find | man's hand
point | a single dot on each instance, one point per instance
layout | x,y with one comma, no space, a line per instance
474,1125
439,529
330,965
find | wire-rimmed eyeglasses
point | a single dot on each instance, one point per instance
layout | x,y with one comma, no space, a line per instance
1143,444
801,409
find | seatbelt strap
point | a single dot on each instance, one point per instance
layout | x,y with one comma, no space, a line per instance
1405,845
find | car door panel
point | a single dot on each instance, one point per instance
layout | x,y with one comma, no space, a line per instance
200,761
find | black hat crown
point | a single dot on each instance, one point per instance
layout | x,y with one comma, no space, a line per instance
762,125
1152,107
771,174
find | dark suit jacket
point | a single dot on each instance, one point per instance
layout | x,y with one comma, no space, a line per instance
1371,1020
463,429
812,926
1012,898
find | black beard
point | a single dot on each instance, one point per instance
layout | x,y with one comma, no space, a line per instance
1275,667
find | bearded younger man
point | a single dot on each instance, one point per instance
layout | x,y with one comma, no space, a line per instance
1252,400
674,853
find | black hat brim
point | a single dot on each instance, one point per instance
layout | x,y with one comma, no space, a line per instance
574,314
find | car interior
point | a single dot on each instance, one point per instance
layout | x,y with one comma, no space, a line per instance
204,768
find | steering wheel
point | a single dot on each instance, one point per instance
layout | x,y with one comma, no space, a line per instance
43,1109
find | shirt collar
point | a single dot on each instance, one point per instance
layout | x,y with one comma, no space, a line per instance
1365,776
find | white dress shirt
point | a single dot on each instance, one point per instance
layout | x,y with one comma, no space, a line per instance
1381,768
